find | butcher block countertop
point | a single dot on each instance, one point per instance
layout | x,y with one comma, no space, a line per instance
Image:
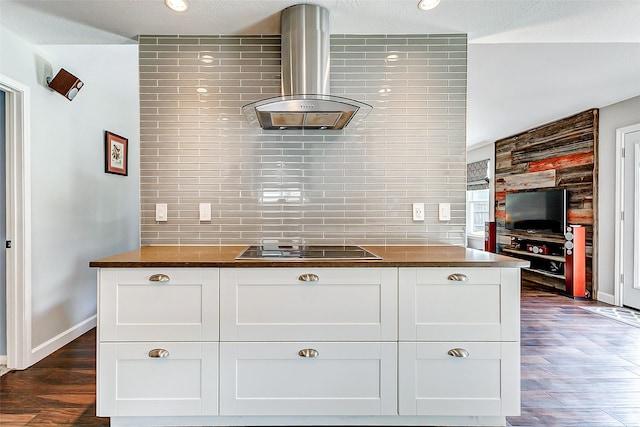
224,257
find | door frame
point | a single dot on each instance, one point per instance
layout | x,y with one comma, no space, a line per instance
18,217
621,134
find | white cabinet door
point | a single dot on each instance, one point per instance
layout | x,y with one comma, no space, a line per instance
308,304
342,379
182,305
484,383
459,304
131,382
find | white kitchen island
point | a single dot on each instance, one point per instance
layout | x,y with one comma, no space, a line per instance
425,336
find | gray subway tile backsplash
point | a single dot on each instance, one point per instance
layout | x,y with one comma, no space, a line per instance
354,186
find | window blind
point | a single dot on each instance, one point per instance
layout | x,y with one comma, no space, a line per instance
478,175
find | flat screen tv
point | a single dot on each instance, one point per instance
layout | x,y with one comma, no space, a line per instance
537,211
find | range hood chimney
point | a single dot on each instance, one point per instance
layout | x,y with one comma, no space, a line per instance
305,102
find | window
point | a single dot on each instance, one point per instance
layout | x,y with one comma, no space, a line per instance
477,211
477,196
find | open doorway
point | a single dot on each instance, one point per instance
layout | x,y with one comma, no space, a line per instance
628,215
3,235
17,222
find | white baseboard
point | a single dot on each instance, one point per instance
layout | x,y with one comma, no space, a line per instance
62,339
606,297
3,360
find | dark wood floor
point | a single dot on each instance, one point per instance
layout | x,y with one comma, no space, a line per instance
578,369
58,390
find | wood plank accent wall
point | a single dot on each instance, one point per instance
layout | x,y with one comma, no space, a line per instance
561,154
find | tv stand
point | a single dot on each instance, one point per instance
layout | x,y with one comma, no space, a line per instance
557,261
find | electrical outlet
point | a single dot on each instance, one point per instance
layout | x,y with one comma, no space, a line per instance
161,212
444,211
205,211
418,211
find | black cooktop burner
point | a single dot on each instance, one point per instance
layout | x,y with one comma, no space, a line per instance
306,252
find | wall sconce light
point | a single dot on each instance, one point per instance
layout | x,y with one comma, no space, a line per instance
65,84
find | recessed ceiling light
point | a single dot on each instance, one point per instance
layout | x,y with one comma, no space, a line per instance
392,57
177,5
202,90
428,4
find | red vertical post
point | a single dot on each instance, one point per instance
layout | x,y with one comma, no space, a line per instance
490,236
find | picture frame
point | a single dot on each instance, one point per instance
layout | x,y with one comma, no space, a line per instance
116,154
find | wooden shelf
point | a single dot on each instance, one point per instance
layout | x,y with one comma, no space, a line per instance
546,273
536,278
536,237
531,254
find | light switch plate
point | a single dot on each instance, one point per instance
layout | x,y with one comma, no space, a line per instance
205,211
418,211
161,212
444,211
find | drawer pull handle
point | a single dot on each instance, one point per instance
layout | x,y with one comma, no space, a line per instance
159,278
457,277
159,353
458,352
308,277
308,352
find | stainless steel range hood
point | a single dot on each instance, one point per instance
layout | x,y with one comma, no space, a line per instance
305,102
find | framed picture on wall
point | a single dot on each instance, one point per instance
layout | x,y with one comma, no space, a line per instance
116,152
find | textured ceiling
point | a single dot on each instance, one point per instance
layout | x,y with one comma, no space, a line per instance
530,61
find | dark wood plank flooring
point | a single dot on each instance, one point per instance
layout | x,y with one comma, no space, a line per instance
58,390
578,369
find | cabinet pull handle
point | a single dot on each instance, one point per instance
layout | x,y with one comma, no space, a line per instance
159,353
308,352
308,277
457,277
458,352
159,278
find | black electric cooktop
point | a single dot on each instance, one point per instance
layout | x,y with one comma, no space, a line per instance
306,252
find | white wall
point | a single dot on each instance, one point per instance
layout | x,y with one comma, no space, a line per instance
612,117
79,213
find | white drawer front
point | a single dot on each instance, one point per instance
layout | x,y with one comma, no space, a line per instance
273,379
133,308
275,304
486,382
483,308
445,275
185,382
291,276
